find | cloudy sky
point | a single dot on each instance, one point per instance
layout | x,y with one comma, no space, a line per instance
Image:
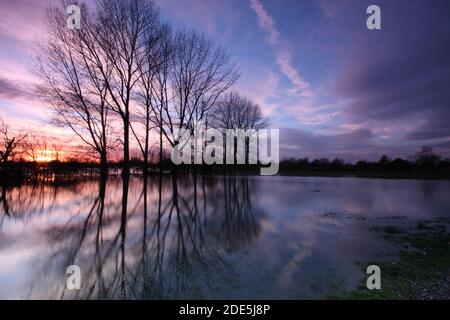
332,86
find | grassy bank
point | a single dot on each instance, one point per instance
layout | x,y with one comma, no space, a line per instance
421,269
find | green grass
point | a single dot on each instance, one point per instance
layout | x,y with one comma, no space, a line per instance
423,257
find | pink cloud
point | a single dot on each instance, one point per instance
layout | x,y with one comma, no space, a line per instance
283,56
260,86
300,85
265,21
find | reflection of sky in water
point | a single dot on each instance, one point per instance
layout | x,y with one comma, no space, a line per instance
256,237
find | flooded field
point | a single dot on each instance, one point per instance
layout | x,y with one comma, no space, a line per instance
204,237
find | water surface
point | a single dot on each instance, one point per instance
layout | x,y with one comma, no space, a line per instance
211,237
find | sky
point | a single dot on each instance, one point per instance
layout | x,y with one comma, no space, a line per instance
333,87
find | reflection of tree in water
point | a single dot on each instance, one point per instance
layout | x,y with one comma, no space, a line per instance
25,200
239,225
161,237
192,231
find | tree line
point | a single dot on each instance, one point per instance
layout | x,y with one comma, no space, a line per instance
126,74
422,161
26,146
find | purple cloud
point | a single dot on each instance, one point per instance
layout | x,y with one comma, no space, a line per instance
12,90
402,72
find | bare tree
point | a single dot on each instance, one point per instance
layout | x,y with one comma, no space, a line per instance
149,96
11,145
235,111
72,84
160,97
36,146
40,147
189,75
427,158
199,74
124,60
122,34
57,147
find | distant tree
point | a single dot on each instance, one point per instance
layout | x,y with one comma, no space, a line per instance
36,145
11,144
235,111
426,158
324,162
337,164
39,146
384,161
315,163
303,162
362,165
445,164
57,147
400,165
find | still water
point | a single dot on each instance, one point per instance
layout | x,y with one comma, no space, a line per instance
202,237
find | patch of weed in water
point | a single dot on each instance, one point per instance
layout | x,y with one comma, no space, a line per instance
421,271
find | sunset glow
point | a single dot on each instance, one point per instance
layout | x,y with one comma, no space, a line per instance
319,80
45,156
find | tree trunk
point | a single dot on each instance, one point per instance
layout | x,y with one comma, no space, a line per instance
146,151
126,144
160,148
247,151
103,164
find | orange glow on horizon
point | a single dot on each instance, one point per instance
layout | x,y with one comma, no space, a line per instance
45,156
44,159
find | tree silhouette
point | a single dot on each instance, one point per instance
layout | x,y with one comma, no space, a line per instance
235,111
71,83
11,145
